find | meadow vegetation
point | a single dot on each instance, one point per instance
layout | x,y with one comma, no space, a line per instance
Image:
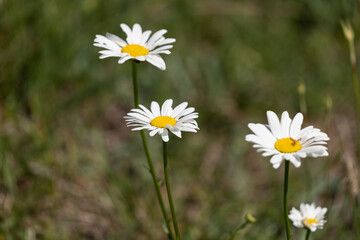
71,169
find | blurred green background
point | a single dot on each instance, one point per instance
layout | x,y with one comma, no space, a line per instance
71,169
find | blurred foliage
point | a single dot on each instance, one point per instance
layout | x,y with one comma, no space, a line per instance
70,169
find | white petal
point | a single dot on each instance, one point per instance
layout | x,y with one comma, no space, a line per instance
303,132
184,112
116,39
179,108
166,41
136,34
155,109
285,124
128,32
167,47
139,128
177,132
296,125
153,132
140,58
300,154
166,107
295,160
146,111
268,152
189,117
276,160
139,116
262,131
187,128
274,124
150,44
145,36
165,135
314,150
157,61
141,112
256,139
123,59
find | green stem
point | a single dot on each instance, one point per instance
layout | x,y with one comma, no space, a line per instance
135,83
235,232
307,234
167,182
357,216
148,157
286,217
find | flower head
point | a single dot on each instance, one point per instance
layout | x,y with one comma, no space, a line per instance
139,45
162,120
285,140
309,216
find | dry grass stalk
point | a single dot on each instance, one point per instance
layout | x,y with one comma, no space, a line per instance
349,156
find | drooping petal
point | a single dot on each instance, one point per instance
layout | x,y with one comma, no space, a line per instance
276,160
165,135
157,61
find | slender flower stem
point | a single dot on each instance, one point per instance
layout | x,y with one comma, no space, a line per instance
248,219
307,234
148,157
357,215
135,83
235,232
286,217
167,182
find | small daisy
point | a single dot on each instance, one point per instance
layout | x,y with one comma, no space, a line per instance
286,140
161,120
309,217
138,45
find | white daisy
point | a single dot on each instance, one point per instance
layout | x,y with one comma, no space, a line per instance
161,120
138,45
309,216
286,140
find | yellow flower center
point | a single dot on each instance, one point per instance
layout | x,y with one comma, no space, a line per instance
163,121
307,222
135,50
287,145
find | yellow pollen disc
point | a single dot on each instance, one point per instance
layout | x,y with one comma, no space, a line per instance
309,221
163,121
287,145
135,50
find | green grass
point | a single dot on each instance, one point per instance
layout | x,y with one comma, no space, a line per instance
70,169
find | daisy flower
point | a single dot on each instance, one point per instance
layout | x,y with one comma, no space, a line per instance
285,140
160,121
139,45
309,217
